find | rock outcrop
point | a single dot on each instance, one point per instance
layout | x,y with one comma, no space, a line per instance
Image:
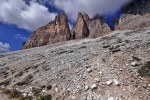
81,29
86,18
98,28
54,32
130,22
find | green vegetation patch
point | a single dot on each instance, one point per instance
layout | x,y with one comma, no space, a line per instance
25,98
36,91
144,71
11,94
46,97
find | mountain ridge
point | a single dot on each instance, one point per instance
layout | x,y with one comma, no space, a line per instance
86,27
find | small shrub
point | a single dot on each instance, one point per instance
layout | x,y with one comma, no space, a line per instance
11,94
25,98
14,94
145,70
36,91
6,91
19,74
49,87
26,81
47,97
22,83
5,83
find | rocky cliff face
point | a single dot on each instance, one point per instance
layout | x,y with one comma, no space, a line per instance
81,29
58,30
86,27
130,22
135,15
97,28
54,32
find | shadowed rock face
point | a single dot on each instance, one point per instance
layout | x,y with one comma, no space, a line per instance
137,7
54,32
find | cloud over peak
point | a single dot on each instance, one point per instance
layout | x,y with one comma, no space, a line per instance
92,7
32,14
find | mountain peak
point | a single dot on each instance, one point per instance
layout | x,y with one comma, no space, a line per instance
54,32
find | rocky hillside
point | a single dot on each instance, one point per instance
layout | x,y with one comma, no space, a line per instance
95,64
112,67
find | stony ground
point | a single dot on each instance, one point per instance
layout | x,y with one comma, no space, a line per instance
113,67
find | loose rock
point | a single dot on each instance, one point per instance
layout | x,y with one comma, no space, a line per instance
117,83
89,70
109,82
94,86
111,98
86,87
134,63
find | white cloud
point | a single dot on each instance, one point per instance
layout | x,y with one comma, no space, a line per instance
4,47
34,15
20,36
29,17
92,7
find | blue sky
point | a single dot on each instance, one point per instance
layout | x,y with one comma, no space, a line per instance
19,18
13,36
